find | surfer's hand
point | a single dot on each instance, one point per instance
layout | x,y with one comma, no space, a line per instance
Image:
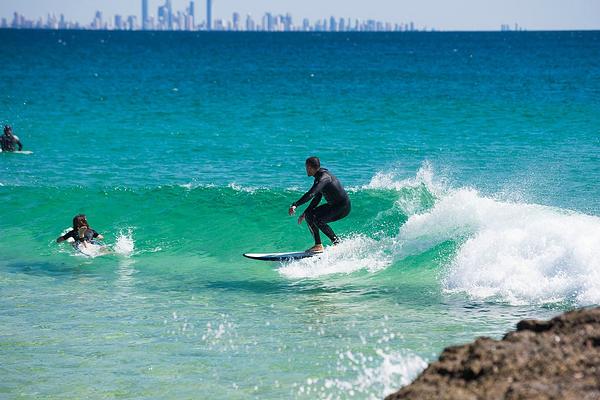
100,237
292,210
300,219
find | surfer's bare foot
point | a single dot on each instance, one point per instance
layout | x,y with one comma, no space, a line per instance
317,248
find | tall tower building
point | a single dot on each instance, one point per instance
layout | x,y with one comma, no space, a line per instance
249,23
169,15
236,21
189,19
208,15
144,14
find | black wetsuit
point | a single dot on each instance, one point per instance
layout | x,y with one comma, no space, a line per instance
336,208
87,236
7,143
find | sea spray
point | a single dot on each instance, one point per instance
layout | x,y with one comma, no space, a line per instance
124,244
506,251
513,252
352,254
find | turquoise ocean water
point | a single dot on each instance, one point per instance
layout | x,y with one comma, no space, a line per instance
472,161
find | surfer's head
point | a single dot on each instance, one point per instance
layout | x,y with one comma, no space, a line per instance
79,221
7,130
312,165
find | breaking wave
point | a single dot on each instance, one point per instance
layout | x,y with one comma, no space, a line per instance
505,251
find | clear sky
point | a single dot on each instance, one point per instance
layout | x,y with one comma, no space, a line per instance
440,14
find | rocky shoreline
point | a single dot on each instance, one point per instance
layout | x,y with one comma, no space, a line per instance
541,360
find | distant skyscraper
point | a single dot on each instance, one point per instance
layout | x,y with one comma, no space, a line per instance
287,22
189,19
97,23
236,21
208,15
332,24
249,23
305,24
145,14
169,14
161,18
268,22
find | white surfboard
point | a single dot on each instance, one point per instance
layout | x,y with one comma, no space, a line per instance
92,249
295,255
18,152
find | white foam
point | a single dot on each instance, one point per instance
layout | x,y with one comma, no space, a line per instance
506,251
411,191
425,176
245,189
374,376
125,244
194,185
512,252
351,255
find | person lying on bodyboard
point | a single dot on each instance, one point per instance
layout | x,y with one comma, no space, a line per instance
81,232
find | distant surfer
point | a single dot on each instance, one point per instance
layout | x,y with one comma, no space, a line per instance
81,232
318,216
9,140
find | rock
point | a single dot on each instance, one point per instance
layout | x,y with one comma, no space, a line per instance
542,360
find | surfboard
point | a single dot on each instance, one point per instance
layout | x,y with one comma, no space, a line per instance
92,249
17,152
295,255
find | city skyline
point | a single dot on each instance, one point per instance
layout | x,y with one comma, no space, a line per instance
426,14
169,19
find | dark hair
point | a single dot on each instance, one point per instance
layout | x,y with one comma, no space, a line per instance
313,162
7,128
79,220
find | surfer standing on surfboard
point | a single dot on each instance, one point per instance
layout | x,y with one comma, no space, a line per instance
8,141
317,217
81,232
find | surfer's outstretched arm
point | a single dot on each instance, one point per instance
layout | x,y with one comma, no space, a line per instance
316,188
70,234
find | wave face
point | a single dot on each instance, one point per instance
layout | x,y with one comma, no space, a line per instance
510,252
422,265
485,248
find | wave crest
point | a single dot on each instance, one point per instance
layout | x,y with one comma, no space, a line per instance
510,252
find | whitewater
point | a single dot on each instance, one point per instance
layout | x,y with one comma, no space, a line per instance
510,252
